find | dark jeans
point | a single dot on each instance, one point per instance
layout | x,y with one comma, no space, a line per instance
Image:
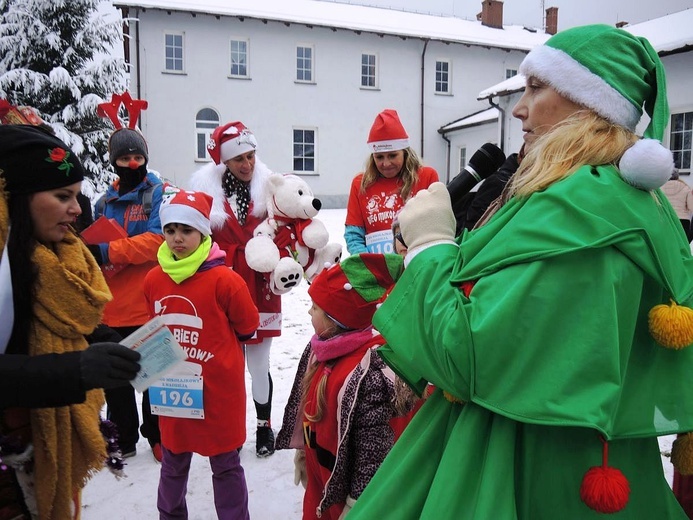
122,410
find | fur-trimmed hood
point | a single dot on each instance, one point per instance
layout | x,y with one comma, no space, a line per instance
208,179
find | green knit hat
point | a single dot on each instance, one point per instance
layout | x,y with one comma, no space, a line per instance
617,75
350,292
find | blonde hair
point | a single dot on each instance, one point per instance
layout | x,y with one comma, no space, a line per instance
584,138
409,173
312,369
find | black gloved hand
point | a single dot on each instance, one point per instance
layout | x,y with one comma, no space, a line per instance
95,250
108,365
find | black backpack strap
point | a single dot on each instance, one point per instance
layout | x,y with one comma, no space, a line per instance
147,197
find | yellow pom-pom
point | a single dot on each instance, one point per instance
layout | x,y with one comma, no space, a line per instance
671,325
452,398
682,454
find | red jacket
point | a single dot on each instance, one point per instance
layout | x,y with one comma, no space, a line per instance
205,312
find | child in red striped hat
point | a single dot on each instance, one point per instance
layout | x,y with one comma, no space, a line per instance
338,414
210,312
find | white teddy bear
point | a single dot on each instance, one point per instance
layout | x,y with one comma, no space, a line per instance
290,244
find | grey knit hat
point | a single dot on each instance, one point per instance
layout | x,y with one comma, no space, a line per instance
126,141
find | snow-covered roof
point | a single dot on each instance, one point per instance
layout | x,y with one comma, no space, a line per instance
667,34
509,86
358,18
477,118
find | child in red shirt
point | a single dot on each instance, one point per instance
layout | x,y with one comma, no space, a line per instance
210,311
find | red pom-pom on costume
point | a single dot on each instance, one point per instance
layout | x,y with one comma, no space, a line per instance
605,489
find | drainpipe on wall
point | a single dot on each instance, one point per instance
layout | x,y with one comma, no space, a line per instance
447,158
423,83
137,53
502,125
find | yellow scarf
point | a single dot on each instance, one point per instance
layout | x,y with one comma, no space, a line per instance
68,446
180,269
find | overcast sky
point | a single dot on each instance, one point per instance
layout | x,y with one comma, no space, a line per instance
530,12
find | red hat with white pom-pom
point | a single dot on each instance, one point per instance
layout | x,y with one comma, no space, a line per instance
349,292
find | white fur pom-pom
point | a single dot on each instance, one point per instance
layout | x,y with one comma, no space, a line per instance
647,164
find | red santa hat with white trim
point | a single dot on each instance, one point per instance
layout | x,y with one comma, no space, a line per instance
191,208
387,133
229,141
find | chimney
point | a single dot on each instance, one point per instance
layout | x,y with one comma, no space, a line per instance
621,24
551,20
492,13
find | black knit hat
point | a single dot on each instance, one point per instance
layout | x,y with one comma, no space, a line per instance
33,160
126,141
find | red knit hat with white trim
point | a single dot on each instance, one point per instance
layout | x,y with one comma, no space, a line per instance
349,292
229,141
191,208
387,133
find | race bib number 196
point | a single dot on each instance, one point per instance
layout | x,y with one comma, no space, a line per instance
178,396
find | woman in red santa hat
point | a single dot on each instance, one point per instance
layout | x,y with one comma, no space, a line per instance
236,180
393,174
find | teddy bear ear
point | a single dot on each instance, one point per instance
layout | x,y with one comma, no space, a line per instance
276,179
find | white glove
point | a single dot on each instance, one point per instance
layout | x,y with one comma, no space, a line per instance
347,507
428,217
300,473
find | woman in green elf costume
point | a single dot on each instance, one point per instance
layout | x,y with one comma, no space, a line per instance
555,332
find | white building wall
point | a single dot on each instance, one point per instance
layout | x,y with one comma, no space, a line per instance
471,67
271,103
679,72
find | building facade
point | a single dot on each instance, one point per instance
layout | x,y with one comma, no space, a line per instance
308,78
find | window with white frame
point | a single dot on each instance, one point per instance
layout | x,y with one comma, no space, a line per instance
206,121
304,150
443,77
369,70
239,58
463,158
173,43
681,140
509,73
305,61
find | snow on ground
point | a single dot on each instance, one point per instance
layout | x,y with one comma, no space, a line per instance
272,493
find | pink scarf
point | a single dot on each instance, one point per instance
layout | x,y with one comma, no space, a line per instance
339,345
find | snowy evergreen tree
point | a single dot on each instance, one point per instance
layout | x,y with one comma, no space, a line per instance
55,56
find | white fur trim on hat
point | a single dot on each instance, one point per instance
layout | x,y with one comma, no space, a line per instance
242,143
647,164
182,214
389,146
576,82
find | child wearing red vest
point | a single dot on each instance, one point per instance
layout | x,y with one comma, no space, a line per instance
210,311
338,414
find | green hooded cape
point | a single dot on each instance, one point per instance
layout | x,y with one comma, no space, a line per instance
550,350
